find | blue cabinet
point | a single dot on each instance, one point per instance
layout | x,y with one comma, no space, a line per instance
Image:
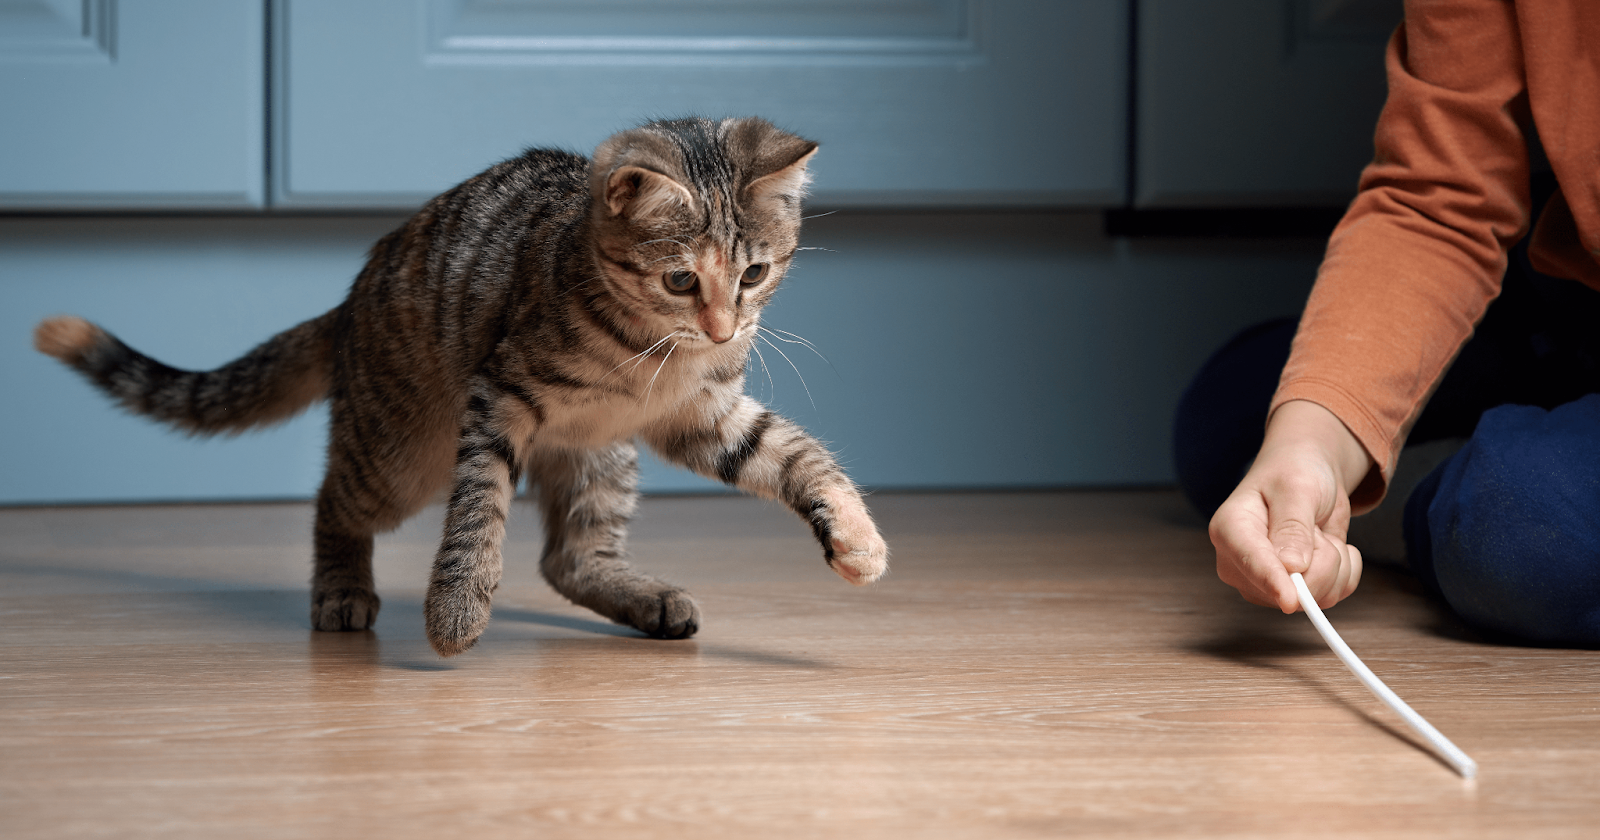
138,104
916,102
376,104
1257,102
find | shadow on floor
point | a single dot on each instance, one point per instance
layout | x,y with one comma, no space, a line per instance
1261,640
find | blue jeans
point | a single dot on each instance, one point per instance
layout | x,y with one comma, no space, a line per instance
1507,531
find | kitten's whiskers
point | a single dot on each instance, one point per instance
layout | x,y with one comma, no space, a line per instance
580,286
640,357
676,240
794,338
651,387
792,365
772,388
684,257
801,340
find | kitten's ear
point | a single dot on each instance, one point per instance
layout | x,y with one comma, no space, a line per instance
644,193
788,183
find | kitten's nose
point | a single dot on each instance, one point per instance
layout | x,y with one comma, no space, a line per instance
718,322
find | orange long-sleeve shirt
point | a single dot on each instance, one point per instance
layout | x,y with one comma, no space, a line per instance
1422,250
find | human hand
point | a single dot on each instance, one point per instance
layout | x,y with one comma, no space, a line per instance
1291,512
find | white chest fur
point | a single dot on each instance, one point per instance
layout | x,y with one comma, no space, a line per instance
657,391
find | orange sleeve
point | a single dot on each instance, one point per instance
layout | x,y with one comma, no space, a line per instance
1561,61
1422,249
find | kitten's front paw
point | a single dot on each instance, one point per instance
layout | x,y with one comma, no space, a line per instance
859,553
344,609
861,562
454,617
666,614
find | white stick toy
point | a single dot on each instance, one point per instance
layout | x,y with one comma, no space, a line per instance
1450,752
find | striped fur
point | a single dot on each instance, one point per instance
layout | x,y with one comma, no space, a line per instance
523,322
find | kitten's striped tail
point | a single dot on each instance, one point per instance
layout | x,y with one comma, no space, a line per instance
271,383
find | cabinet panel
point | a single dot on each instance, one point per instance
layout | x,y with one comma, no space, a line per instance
132,104
916,102
1264,102
56,29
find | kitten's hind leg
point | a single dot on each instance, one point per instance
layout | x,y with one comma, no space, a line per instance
587,499
377,477
342,594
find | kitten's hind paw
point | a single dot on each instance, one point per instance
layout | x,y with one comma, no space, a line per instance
344,609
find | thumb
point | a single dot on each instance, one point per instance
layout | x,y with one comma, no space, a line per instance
1293,536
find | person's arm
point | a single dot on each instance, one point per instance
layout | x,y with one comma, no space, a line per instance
1408,273
1291,512
1422,249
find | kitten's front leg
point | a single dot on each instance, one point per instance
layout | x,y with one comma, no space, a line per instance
467,569
766,455
588,497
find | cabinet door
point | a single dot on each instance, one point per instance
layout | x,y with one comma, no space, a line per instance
1263,102
132,104
916,102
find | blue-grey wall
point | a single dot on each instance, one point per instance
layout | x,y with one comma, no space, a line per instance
966,350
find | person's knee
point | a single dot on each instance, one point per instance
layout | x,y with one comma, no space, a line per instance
1514,524
1222,415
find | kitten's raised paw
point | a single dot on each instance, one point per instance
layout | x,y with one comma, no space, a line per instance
344,609
859,553
862,562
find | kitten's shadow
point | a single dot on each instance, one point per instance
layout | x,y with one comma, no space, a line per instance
568,622
694,648
401,620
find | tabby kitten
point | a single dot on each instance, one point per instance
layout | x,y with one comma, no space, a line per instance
538,317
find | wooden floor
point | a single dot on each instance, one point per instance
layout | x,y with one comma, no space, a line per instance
1035,665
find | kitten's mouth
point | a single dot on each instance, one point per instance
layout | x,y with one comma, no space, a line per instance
702,340
738,332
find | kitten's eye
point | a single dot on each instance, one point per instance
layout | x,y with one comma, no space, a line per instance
680,282
754,274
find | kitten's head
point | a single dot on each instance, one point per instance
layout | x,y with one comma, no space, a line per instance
696,221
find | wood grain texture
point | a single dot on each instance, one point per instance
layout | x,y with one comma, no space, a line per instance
1035,665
